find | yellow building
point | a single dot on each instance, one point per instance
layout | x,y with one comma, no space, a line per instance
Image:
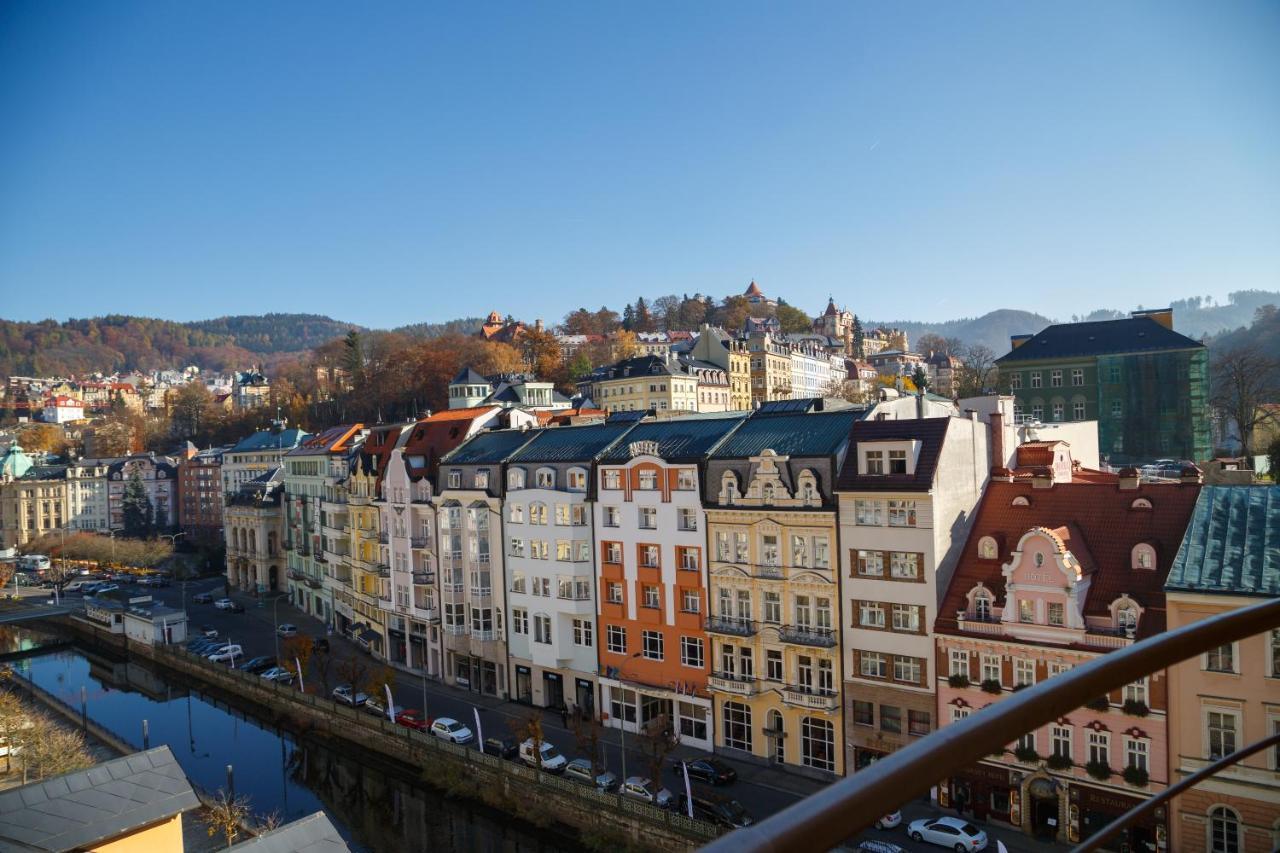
770,368
364,597
716,346
643,383
773,609
33,504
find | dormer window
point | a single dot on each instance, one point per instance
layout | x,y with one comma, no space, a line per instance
1127,618
875,463
982,605
1140,503
987,548
766,493
577,480
1143,557
612,479
1021,500
545,478
897,461
515,478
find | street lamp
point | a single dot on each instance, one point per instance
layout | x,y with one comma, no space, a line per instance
111,534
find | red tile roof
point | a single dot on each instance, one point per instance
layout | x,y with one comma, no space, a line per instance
1037,452
1097,522
434,436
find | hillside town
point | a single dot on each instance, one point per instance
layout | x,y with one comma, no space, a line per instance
795,550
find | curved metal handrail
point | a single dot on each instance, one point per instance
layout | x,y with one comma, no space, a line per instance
825,819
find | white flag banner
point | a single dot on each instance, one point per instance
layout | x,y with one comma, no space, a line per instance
391,704
688,789
299,665
479,729
1000,848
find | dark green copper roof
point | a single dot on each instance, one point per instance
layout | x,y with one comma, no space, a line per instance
1232,545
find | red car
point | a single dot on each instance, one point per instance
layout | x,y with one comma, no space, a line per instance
413,719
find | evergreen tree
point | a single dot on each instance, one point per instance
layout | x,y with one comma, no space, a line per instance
136,506
353,354
858,337
920,378
161,516
643,321
628,318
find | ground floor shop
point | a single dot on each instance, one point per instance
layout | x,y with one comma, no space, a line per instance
566,690
314,602
475,673
881,719
417,650
803,735
1053,808
633,707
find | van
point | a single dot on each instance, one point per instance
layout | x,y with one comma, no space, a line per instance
33,563
552,760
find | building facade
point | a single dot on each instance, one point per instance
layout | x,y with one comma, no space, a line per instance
33,504
253,529
644,383
159,475
200,496
87,504
1229,698
255,455
770,367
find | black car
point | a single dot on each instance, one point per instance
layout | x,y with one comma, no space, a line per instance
502,747
259,664
202,598
707,770
236,607
719,810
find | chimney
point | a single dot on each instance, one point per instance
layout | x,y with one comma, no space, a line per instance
919,404
1042,477
1191,475
537,325
1016,341
997,438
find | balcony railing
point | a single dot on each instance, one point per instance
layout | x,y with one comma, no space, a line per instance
736,684
383,538
731,625
844,808
417,541
422,578
810,697
807,635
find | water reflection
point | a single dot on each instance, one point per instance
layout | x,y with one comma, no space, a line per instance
376,807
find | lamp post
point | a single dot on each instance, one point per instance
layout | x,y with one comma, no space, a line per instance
275,623
111,534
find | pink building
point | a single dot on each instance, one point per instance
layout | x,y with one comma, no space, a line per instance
1062,565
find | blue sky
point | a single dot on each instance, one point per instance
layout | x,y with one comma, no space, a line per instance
391,163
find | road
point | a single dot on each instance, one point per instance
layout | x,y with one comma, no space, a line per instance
761,790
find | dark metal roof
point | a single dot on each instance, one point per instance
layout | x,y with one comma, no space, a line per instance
467,376
930,432
81,810
816,434
314,833
269,440
787,407
570,443
1102,337
627,417
488,447
679,439
1232,545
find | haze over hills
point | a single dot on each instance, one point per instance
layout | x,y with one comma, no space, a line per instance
120,343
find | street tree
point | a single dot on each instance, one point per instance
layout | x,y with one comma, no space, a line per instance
299,649
587,733
657,740
528,726
354,670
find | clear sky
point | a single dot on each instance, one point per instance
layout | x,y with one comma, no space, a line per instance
390,163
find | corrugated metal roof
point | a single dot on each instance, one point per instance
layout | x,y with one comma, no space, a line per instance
488,447
678,438
814,434
1232,545
570,443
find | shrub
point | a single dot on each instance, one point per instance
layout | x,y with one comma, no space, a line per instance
1136,708
1098,770
1026,755
958,680
1102,703
991,685
1059,762
1135,776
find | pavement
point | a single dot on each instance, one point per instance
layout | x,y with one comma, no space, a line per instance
761,789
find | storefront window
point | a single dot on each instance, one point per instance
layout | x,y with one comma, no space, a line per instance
737,726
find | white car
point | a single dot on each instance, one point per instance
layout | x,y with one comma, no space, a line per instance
224,604
551,759
889,821
279,674
287,630
226,653
447,728
640,788
348,696
951,832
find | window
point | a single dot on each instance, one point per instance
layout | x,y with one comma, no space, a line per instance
515,513
545,478
799,551
1026,610
1015,381
612,478
614,592
576,480
868,513
1060,741
648,518
648,480
1077,410
537,513
649,556
515,478
691,652
616,638
875,462
773,607
906,670
1077,376
1036,381
685,480
482,478
1115,373
562,515
959,660
1056,613
686,519
870,563
1037,411
1058,409
652,644
891,719
1135,753
987,548
864,713
737,726
991,668
1055,378
582,631
517,547
897,461
542,630
455,479
1273,669
1100,747
611,516
1024,672
519,620
958,714
902,513
919,723
871,614
821,553
1224,831
538,549
690,601
740,547
613,552
773,664
874,665
1221,733
1136,691
1221,659
904,565
564,550
817,743
652,596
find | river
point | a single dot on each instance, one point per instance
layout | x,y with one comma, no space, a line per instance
375,808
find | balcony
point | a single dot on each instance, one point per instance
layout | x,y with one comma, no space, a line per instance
382,570
418,542
296,575
805,635
737,685
424,578
810,697
383,538
455,630
731,625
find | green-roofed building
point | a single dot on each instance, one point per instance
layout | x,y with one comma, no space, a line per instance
1230,697
1146,385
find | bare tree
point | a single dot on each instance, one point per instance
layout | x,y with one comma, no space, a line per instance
354,670
1243,379
226,815
529,727
977,373
13,722
657,739
587,732
844,388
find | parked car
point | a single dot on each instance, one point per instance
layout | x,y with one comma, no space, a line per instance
202,598
347,695
202,645
236,607
411,718
100,589
874,845
226,654
447,728
287,630
208,631
580,771
319,644
953,832
259,664
502,747
552,760
889,821
223,604
375,706
642,788
711,770
279,674
723,811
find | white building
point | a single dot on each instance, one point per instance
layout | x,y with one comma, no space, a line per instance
62,409
257,454
87,507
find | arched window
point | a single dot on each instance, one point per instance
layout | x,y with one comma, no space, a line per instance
737,726
1224,830
537,513
779,739
982,606
1021,500
545,478
1127,617
987,548
728,487
515,478
1143,557
766,493
817,744
1140,503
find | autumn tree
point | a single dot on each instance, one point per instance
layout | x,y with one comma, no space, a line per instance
379,680
587,733
793,320
52,749
1243,379
657,740
624,345
193,412
354,670
977,373
43,438
300,649
543,356
226,815
844,388
732,313
528,726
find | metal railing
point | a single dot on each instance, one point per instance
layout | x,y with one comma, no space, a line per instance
825,819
